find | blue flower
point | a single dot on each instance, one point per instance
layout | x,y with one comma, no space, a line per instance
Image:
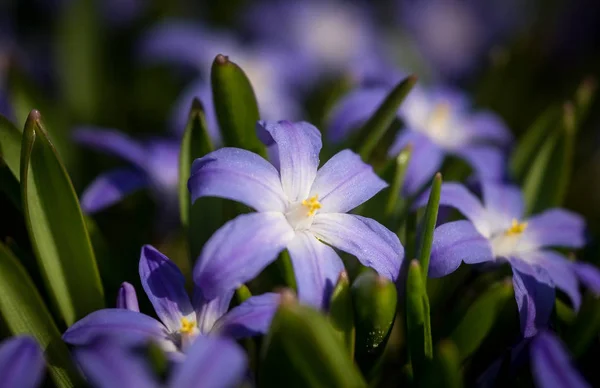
21,363
271,71
437,122
154,165
181,321
211,362
497,231
298,208
551,365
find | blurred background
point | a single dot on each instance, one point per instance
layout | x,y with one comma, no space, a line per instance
136,65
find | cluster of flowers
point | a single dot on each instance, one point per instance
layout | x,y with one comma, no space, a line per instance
303,207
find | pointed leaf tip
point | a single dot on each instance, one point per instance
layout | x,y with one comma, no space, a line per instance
221,59
197,105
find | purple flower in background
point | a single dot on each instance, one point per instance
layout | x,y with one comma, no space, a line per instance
497,230
298,208
437,123
271,71
154,165
21,363
181,321
211,362
551,365
455,36
327,36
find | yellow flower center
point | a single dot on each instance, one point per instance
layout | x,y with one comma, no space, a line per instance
187,326
312,204
516,228
440,114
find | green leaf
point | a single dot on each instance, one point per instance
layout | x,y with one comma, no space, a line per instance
429,221
546,183
418,327
10,146
580,335
380,121
393,208
195,144
235,105
56,226
444,371
341,313
480,318
374,299
302,350
24,312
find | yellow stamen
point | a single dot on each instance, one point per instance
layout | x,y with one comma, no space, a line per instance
516,228
440,114
187,326
312,204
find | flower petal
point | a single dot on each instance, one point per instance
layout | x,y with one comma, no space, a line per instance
128,326
239,175
112,142
108,364
535,301
556,228
253,317
21,363
298,147
372,243
454,243
317,268
426,159
127,298
111,187
486,125
201,90
551,366
215,362
457,196
210,311
239,250
503,204
560,271
165,286
344,182
353,111
589,275
488,162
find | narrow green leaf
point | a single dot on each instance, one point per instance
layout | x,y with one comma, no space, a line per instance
24,312
242,294
429,221
418,328
480,317
341,313
532,140
56,226
195,144
444,371
580,335
380,121
546,183
393,207
302,350
583,98
10,146
286,270
235,105
374,300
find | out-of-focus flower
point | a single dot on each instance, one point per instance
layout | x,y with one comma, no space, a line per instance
437,123
154,165
497,231
455,36
21,363
272,72
181,321
551,365
211,362
329,37
299,208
